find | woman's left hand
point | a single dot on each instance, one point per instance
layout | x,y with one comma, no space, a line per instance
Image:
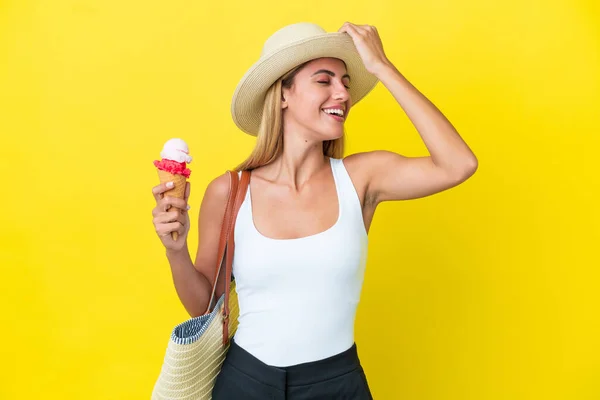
369,46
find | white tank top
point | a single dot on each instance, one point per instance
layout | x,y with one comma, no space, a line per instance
298,297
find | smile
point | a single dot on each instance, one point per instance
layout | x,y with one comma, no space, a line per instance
335,113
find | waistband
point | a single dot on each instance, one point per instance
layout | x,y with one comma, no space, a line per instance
295,375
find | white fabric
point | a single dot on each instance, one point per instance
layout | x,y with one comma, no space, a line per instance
298,297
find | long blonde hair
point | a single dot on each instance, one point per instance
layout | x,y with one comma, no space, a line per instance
269,141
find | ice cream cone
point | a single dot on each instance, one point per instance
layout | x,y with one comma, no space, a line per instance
177,191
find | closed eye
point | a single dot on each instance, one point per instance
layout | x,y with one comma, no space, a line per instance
325,82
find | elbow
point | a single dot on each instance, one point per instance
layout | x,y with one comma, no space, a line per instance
470,168
464,171
195,313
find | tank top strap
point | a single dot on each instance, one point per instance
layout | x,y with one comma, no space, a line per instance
348,196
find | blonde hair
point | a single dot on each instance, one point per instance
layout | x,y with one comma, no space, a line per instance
269,141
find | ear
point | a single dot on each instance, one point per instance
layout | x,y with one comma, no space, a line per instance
284,95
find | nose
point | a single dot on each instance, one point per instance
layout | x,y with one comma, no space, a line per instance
341,93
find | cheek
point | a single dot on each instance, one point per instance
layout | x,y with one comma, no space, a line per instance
308,108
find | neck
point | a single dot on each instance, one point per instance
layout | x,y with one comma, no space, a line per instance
300,160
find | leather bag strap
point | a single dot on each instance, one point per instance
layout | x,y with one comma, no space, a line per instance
237,193
233,184
239,199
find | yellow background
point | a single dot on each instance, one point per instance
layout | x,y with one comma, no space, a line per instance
486,291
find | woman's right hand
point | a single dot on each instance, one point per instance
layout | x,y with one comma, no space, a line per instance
174,220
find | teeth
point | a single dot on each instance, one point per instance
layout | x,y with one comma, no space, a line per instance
335,111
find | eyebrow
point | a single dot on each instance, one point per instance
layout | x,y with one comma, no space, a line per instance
330,73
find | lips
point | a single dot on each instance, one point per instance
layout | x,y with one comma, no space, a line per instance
335,117
337,113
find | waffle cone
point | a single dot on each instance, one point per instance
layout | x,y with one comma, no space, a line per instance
177,191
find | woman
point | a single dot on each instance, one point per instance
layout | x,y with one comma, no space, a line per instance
301,232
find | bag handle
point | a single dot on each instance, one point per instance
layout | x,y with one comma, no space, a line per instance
233,185
237,193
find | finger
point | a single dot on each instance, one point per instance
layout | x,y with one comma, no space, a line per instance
160,212
362,29
356,27
344,27
181,218
348,23
370,29
166,217
166,229
350,30
158,190
181,230
170,201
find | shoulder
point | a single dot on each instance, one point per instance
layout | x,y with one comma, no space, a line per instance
361,165
367,165
218,189
391,176
368,159
219,185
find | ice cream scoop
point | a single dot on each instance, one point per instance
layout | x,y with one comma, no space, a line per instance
176,150
175,157
173,168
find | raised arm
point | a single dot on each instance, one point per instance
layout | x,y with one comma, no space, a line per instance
390,176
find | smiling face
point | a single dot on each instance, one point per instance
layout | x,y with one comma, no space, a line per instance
317,103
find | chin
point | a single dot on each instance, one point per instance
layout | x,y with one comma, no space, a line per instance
339,135
331,135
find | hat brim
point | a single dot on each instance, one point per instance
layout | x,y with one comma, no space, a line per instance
247,102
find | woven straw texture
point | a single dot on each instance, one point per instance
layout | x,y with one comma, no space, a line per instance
177,191
195,354
288,47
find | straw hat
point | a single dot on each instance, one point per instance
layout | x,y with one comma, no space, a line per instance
286,49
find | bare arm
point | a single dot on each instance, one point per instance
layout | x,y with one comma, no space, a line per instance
210,222
451,161
192,286
193,281
389,176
